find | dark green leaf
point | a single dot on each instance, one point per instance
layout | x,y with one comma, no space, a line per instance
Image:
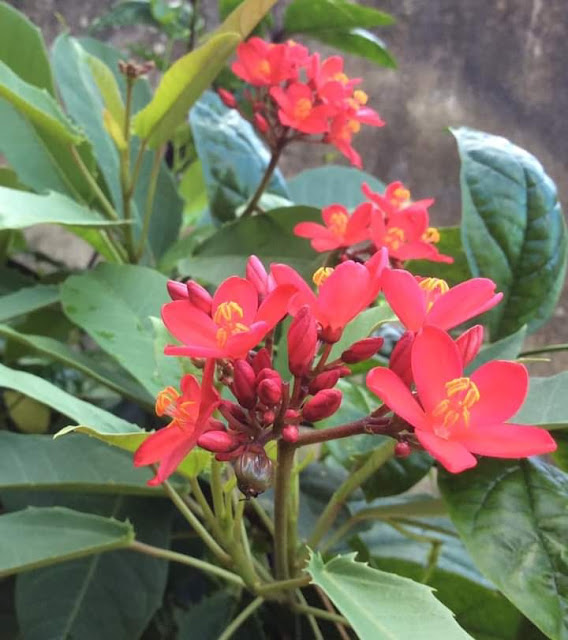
125,14
513,229
331,184
269,236
547,402
26,300
38,537
405,609
505,349
360,42
513,518
232,156
560,456
207,619
322,15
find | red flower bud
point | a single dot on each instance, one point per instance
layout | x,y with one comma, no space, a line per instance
302,342
257,276
227,98
243,384
292,415
217,441
268,374
344,371
469,343
362,350
177,290
268,417
232,412
269,391
261,360
199,297
324,404
400,358
402,450
260,122
325,380
331,336
290,433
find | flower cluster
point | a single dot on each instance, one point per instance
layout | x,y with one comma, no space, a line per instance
295,95
390,220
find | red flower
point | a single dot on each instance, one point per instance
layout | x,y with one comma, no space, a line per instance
261,63
191,416
299,109
234,325
330,70
429,301
343,292
340,230
457,416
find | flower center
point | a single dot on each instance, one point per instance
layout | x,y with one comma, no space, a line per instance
302,108
433,289
321,275
263,68
166,401
400,197
454,409
394,238
360,96
338,223
227,317
340,77
431,235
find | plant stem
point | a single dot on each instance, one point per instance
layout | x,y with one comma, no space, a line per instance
217,494
365,425
311,619
320,613
263,516
284,585
153,183
379,457
264,182
546,349
206,567
207,512
238,621
114,247
329,606
240,549
281,494
195,524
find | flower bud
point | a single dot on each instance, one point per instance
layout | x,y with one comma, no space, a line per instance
324,404
254,473
227,98
362,350
199,297
177,290
260,122
344,371
290,433
331,335
302,342
257,276
325,380
400,361
469,343
217,441
268,417
402,450
231,412
261,360
292,415
270,391
243,384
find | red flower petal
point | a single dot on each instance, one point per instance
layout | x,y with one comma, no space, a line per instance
194,351
395,394
241,291
275,305
311,230
344,294
239,344
189,324
507,440
158,444
405,296
453,455
283,274
435,361
172,461
502,388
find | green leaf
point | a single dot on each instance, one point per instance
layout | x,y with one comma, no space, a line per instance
20,209
335,184
513,229
233,158
38,462
39,537
560,456
125,14
244,18
451,245
207,619
269,236
112,303
50,395
108,88
22,48
26,300
404,609
29,415
512,517
112,595
360,42
505,349
546,404
321,15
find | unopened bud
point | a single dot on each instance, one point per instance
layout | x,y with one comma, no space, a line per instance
217,441
199,297
227,98
290,433
268,417
254,473
302,342
257,276
344,371
269,391
261,360
268,373
324,404
331,335
469,343
325,380
400,361
177,290
243,386
291,415
231,412
362,350
402,450
260,122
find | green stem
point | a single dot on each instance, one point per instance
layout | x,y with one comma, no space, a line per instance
238,621
137,166
311,619
153,183
217,493
283,585
207,512
320,613
293,510
264,182
546,349
206,567
240,549
379,457
281,495
114,247
263,516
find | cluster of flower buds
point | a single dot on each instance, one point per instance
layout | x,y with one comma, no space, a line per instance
391,220
294,95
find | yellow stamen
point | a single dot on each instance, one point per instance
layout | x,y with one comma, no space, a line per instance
338,222
434,288
360,96
302,108
166,401
321,275
394,238
454,409
263,68
227,316
341,77
431,235
400,197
